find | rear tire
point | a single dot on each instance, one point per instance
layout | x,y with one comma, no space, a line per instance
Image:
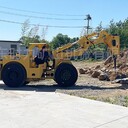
66,75
13,74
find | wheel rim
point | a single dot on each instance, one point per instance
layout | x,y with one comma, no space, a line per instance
65,75
13,75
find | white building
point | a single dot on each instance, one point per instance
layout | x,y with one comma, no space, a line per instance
10,47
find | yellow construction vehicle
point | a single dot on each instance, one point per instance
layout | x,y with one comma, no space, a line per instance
17,70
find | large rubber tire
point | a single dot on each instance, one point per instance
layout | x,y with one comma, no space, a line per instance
13,74
66,75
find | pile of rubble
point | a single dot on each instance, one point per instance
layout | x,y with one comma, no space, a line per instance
106,71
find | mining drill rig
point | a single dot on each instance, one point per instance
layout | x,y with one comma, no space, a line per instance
17,70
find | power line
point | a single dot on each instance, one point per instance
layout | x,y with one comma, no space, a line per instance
16,22
34,12
30,16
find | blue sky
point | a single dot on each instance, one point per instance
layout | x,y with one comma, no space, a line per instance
98,9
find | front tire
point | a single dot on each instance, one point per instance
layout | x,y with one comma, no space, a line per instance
13,74
66,74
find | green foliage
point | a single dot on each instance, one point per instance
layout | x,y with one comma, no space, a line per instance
73,39
101,46
99,27
61,40
30,34
120,28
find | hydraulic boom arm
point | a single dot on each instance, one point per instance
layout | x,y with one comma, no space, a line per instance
112,41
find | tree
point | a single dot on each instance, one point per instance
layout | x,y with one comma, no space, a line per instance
120,28
28,34
99,27
60,40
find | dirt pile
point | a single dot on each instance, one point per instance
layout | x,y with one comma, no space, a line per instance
106,70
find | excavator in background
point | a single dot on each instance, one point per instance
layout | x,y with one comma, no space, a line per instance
17,70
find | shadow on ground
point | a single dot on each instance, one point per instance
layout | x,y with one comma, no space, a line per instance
53,88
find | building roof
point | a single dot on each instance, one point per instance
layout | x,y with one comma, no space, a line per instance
8,41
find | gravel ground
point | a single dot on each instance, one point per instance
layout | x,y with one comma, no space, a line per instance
88,87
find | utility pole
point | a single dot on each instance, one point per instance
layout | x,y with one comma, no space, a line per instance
44,31
88,18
